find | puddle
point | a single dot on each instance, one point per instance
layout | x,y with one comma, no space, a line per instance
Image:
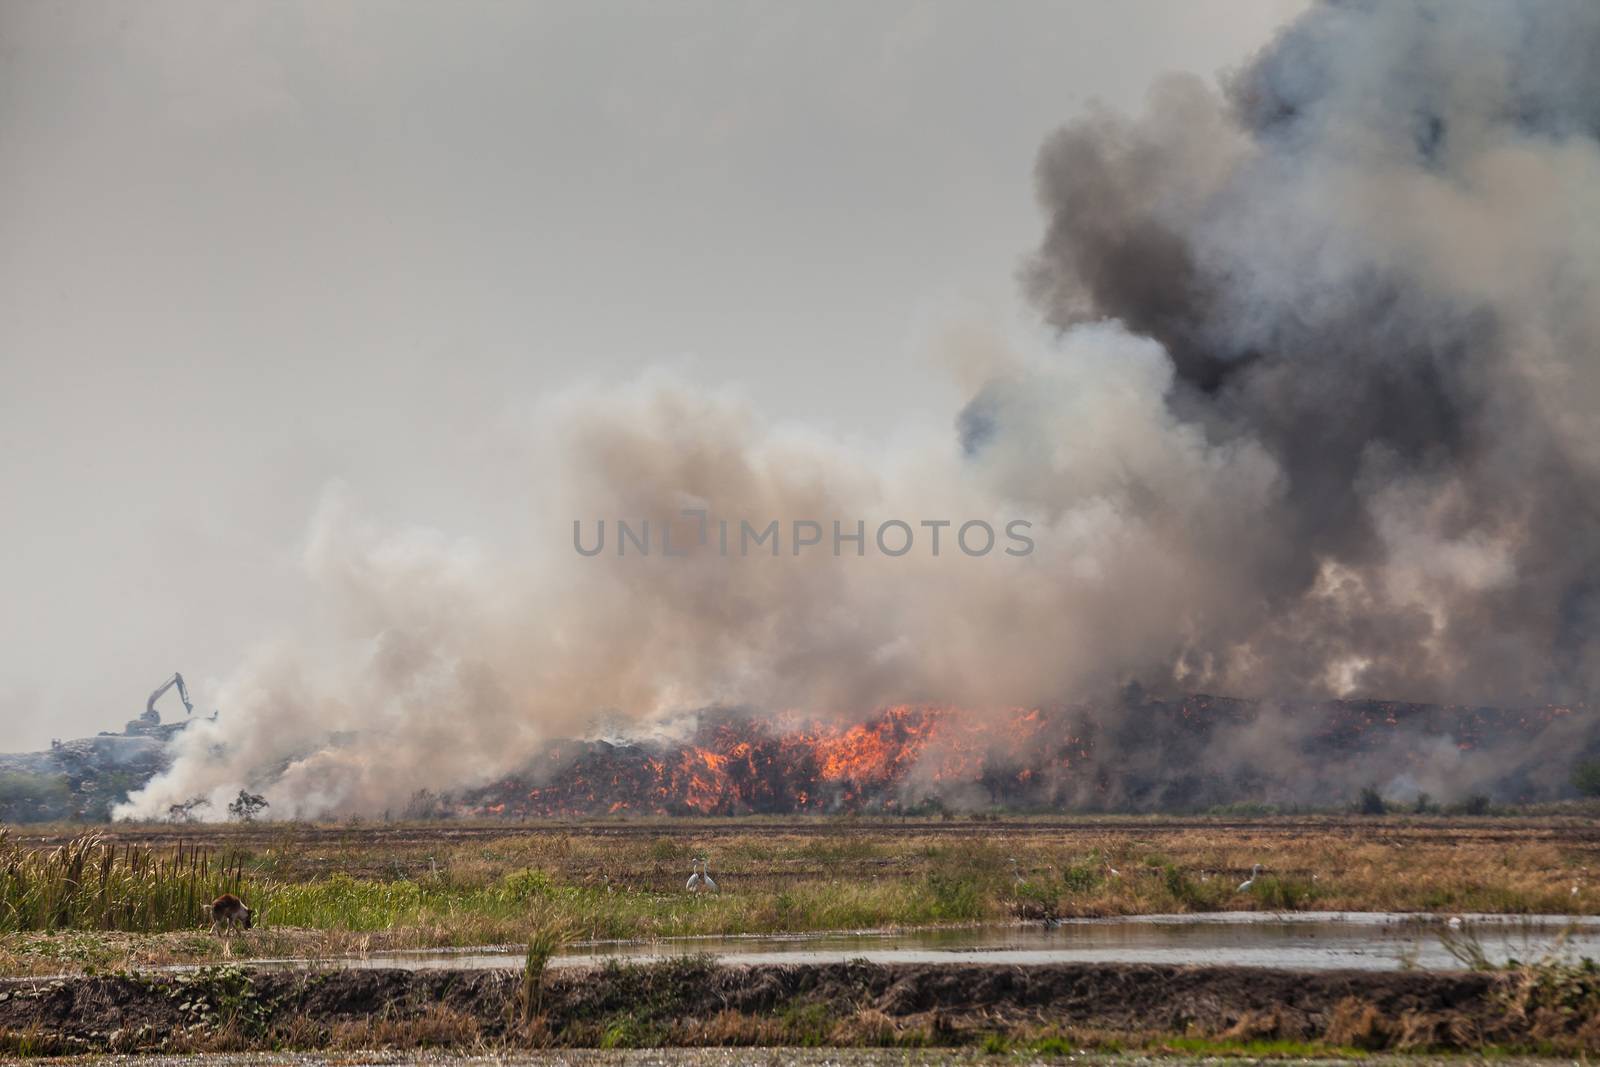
1300,941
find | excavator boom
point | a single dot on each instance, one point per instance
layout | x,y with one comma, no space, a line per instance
150,712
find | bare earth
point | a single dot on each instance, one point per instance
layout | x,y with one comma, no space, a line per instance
759,1057
695,1003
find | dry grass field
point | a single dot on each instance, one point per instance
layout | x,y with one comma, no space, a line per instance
330,889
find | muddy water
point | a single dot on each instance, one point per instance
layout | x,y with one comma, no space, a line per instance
1302,941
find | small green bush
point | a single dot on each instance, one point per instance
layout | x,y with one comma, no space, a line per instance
1586,777
1082,878
1282,894
1371,802
955,898
521,886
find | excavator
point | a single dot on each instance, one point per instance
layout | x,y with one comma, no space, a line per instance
151,716
149,723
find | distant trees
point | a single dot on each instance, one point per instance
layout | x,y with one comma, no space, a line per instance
425,805
1371,802
185,812
26,797
246,806
1586,777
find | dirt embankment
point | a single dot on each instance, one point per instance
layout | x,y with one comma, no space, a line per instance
696,1002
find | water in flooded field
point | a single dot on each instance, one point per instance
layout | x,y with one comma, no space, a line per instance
1301,941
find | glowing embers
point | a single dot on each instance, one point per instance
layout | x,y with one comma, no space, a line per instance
1190,753
735,764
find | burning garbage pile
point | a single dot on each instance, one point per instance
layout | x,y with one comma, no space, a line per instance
1184,754
735,764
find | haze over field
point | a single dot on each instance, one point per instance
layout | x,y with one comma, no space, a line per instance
1298,403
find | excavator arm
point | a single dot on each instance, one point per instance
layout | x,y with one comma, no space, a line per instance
151,715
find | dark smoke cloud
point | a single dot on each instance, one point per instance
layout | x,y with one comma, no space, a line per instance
1315,419
1367,259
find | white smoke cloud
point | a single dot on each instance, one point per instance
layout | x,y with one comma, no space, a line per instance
429,662
1318,421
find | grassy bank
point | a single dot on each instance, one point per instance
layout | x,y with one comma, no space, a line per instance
325,890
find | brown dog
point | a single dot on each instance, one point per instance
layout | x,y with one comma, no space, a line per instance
227,910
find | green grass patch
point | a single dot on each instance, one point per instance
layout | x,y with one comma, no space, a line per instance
1283,894
1258,1048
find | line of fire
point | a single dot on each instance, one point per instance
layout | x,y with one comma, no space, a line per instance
1162,755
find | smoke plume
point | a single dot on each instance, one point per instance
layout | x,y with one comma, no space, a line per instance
1309,414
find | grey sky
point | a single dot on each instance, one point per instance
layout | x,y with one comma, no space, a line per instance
249,249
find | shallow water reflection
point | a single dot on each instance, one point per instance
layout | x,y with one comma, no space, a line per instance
1300,941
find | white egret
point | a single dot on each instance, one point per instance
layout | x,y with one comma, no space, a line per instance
694,884
1244,886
